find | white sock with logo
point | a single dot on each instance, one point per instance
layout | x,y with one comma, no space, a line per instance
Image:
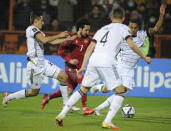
17,95
64,91
114,107
106,103
73,99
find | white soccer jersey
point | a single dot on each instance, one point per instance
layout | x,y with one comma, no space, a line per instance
126,55
108,40
35,47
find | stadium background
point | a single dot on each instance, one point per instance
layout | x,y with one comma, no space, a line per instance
60,15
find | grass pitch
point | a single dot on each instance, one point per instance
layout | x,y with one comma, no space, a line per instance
152,114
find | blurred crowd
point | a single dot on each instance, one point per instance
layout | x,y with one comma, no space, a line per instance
62,14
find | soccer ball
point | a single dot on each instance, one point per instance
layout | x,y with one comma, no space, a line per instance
128,111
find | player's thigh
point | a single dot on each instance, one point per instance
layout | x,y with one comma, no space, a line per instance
55,72
91,77
72,84
110,76
72,73
34,79
127,77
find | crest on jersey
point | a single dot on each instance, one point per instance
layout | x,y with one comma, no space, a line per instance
86,41
34,29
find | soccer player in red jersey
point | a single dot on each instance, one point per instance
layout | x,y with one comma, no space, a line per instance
73,53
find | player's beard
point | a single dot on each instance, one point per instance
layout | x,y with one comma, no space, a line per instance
82,36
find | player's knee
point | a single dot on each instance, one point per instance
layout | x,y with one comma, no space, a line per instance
33,92
121,89
84,89
104,89
69,91
62,77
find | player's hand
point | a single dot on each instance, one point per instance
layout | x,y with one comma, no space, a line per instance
162,9
148,60
71,37
73,61
79,72
64,34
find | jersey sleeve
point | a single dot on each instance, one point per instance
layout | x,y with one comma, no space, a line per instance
126,32
62,51
33,31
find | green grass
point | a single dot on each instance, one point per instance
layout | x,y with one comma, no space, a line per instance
152,114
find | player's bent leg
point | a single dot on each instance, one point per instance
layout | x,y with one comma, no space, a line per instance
73,99
120,93
105,104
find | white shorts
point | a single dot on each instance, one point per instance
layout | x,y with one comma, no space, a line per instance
108,74
127,76
34,73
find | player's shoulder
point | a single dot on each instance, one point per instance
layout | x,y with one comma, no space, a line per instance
32,28
142,32
124,26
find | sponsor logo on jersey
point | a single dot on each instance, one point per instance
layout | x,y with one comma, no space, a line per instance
86,41
34,29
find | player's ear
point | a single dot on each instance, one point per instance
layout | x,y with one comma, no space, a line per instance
111,18
80,29
123,18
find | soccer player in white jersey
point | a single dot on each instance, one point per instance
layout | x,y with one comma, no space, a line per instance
38,65
127,59
102,52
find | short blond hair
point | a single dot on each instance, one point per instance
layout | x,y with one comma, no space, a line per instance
118,13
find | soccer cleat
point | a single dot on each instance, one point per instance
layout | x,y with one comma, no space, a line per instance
74,108
45,101
87,111
5,102
59,121
97,112
109,126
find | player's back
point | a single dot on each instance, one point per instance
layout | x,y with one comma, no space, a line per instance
108,40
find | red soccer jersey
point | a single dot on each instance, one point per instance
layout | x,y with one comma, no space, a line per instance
74,49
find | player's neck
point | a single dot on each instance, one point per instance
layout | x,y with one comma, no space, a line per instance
117,21
36,25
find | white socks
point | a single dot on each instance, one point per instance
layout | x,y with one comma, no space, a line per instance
64,91
114,107
16,95
106,103
73,99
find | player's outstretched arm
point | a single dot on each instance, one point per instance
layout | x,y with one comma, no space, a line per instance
87,54
48,39
160,21
62,40
135,48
